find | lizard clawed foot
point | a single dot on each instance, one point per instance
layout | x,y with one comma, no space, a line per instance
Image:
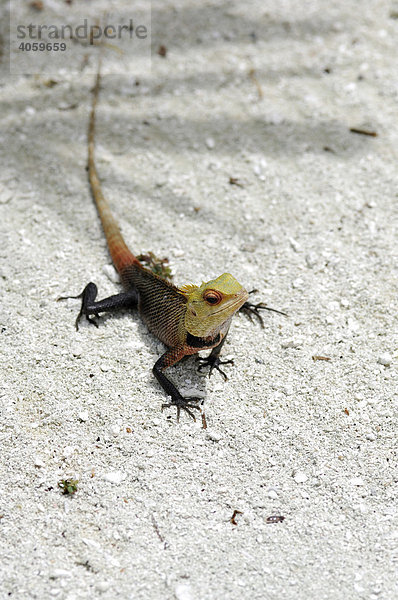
183,404
252,310
213,362
88,296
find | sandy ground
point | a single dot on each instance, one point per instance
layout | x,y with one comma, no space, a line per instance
264,92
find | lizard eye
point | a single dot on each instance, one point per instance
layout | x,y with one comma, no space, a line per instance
212,297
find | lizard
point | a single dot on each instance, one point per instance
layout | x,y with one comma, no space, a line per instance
187,319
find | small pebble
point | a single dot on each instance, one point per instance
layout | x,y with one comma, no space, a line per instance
344,303
298,284
357,481
56,573
371,437
299,476
83,416
385,359
353,325
292,343
111,273
183,591
272,493
39,462
210,143
178,252
213,436
103,586
104,368
295,244
115,477
311,260
67,451
115,430
76,350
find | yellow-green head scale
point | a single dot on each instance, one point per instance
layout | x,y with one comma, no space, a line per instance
212,304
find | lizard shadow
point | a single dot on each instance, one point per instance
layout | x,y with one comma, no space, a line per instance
178,372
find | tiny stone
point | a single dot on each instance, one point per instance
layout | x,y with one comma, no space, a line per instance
299,476
103,586
115,477
178,252
385,359
297,284
292,343
294,244
183,591
39,462
111,273
104,368
60,573
357,481
115,430
272,493
83,416
210,143
371,437
213,436
67,451
311,260
76,350
353,325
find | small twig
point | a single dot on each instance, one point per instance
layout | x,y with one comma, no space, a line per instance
316,357
236,512
363,132
235,181
252,75
156,528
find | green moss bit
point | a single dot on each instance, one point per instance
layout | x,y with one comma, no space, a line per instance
159,266
68,486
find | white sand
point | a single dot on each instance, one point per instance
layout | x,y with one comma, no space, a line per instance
313,228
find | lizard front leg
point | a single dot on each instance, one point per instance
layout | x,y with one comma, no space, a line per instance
213,360
168,359
252,310
92,307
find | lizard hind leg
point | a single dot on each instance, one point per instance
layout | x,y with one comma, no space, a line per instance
91,307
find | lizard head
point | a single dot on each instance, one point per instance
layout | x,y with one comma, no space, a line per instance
211,304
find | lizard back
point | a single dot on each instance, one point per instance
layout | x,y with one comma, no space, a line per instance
161,305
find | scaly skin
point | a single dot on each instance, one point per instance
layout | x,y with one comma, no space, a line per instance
187,319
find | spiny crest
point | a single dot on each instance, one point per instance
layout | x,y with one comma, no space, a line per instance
187,289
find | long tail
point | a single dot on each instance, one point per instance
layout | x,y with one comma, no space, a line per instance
120,254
